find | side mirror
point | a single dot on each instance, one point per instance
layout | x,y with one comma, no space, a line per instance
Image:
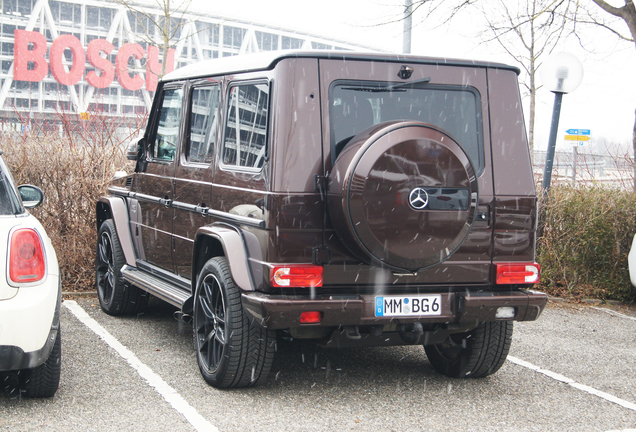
32,196
133,148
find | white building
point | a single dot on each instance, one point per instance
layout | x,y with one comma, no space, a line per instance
100,57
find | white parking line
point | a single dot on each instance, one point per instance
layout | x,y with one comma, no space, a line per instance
566,380
611,312
169,394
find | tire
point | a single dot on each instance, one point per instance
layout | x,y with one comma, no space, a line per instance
44,380
115,296
474,354
231,351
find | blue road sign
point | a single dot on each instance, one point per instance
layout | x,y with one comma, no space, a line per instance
578,131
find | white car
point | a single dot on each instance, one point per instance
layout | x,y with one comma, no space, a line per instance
30,292
631,262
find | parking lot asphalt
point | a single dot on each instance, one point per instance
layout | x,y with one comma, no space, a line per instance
573,369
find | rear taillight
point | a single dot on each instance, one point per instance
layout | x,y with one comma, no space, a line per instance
517,273
26,257
286,276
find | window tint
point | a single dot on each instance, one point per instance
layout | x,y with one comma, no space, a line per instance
355,106
246,126
203,120
167,133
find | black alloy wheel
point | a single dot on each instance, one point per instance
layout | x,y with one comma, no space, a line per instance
115,296
232,350
210,326
105,268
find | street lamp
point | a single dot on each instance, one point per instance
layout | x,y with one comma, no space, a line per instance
561,73
408,26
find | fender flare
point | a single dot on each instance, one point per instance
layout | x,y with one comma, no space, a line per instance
115,208
234,249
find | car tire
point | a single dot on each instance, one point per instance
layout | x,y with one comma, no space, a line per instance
474,354
115,296
231,351
44,380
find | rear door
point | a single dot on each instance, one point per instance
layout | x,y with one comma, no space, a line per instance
195,170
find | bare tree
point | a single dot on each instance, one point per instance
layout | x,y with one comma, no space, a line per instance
527,31
164,27
625,13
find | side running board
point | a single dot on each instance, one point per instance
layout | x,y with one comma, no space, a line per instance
155,286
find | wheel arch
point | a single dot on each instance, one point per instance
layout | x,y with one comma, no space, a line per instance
115,208
222,240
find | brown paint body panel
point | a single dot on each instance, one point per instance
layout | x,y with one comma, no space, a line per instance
512,166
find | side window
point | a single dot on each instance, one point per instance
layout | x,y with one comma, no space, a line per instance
167,133
203,121
246,123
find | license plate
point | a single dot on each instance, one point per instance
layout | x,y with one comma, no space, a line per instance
421,305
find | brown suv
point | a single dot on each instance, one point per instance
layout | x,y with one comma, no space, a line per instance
354,199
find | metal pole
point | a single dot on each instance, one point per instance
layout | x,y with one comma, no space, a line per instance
408,20
549,159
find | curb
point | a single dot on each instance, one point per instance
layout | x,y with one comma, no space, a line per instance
593,302
80,293
598,302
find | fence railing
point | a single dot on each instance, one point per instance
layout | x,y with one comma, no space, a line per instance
574,166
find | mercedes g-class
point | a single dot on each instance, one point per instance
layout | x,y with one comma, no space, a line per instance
354,199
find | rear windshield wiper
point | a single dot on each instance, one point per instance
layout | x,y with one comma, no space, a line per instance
413,84
397,87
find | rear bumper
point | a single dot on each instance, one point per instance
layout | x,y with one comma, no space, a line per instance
29,324
463,309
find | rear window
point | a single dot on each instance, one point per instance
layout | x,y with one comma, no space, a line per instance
246,122
355,106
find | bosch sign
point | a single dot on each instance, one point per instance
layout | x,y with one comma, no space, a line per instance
30,63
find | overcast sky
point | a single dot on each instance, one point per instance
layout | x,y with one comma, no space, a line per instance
604,103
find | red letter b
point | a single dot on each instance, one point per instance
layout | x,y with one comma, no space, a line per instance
22,56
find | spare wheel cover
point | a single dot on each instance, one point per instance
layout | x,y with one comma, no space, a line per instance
408,195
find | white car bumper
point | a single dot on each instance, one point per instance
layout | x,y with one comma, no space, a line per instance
29,323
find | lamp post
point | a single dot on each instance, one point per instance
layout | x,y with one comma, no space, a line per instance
561,73
408,24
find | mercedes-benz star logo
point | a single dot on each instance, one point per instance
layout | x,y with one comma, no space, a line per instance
418,198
